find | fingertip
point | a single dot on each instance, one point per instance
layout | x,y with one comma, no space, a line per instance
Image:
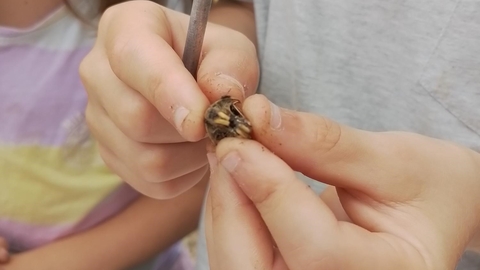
229,67
234,155
217,84
192,127
256,103
228,145
258,110
255,169
234,225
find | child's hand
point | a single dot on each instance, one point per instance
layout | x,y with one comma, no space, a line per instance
4,254
145,108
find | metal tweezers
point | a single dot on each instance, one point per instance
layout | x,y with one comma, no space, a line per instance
195,34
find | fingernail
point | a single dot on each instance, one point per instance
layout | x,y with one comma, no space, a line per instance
179,117
212,160
231,161
275,117
232,80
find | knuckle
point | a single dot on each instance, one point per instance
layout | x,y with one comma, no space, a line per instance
167,190
112,41
326,135
173,188
106,156
266,197
312,258
84,68
218,210
91,70
154,166
119,48
155,84
105,20
108,15
86,71
90,117
319,261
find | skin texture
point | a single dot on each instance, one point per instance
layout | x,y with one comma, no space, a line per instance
145,108
401,204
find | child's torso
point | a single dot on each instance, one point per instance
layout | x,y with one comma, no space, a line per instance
52,180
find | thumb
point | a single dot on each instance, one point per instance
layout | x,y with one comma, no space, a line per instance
321,148
346,157
371,169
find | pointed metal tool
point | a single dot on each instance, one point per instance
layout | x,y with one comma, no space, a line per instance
195,34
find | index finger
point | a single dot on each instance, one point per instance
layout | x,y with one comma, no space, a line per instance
237,237
144,45
306,231
340,155
142,52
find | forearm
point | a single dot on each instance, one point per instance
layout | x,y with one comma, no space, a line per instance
235,15
142,230
474,243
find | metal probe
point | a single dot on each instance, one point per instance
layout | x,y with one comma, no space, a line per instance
195,34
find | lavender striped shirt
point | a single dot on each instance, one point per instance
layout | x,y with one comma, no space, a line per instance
53,182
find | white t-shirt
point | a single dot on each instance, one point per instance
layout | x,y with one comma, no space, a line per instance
405,65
